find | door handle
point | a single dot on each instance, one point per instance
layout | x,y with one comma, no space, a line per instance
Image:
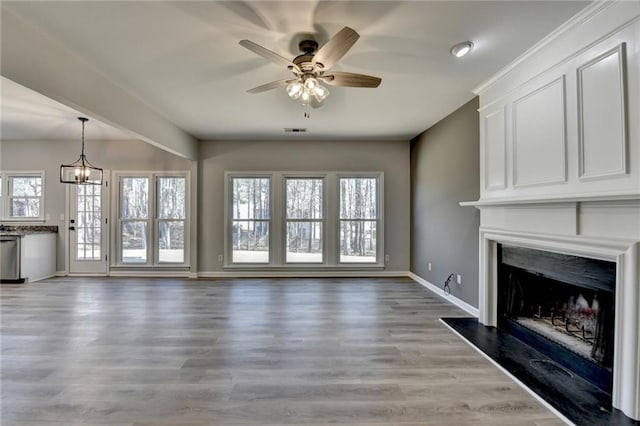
72,228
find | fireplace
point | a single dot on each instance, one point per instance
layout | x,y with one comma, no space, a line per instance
561,305
615,370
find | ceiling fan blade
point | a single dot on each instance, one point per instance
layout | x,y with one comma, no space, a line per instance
267,54
349,79
270,86
336,47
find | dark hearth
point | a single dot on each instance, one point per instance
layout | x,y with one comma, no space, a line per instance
578,400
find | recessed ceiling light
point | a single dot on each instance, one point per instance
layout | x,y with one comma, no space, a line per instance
461,49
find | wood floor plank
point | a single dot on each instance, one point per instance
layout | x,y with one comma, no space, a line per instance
122,351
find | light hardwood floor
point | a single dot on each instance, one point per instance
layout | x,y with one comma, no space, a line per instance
247,351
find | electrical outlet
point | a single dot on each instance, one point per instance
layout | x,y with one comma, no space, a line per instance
220,258
459,279
386,257
429,266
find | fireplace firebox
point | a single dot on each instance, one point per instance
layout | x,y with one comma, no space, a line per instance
561,305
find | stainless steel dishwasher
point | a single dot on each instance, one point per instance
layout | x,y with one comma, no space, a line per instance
10,258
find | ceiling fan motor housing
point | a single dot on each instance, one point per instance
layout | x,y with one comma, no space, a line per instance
308,48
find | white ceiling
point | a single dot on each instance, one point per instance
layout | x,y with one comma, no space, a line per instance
26,114
183,60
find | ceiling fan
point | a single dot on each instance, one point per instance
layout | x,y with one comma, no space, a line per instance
311,68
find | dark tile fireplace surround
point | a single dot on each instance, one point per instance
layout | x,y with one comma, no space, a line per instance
555,330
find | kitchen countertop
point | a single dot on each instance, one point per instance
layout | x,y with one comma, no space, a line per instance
20,230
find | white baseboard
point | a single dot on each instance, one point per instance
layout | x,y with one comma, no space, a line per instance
301,274
440,292
511,376
87,274
243,274
150,274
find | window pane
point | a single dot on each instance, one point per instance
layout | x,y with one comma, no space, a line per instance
304,242
358,198
250,198
171,241
358,241
250,241
95,238
304,198
26,186
171,198
135,198
88,243
134,242
81,202
25,207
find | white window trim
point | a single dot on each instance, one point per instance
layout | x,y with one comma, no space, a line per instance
228,219
379,219
152,220
323,177
5,197
277,232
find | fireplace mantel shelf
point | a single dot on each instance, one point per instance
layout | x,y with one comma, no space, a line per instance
505,202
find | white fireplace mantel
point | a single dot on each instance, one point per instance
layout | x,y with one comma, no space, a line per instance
598,228
560,164
625,253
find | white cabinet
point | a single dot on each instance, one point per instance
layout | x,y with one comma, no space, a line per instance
38,256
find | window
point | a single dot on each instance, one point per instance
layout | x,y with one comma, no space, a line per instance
23,195
134,219
304,220
251,219
358,219
171,219
152,225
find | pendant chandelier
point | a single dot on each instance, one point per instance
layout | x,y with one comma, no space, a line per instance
81,172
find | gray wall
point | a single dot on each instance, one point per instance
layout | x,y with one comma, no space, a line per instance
444,171
216,157
112,155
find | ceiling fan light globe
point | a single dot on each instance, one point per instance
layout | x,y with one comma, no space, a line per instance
294,90
310,84
321,93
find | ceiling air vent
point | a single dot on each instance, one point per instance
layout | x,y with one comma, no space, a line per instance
295,130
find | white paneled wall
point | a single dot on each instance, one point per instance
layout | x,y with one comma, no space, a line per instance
539,137
495,167
602,135
572,127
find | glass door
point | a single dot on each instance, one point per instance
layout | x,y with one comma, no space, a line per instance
88,229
